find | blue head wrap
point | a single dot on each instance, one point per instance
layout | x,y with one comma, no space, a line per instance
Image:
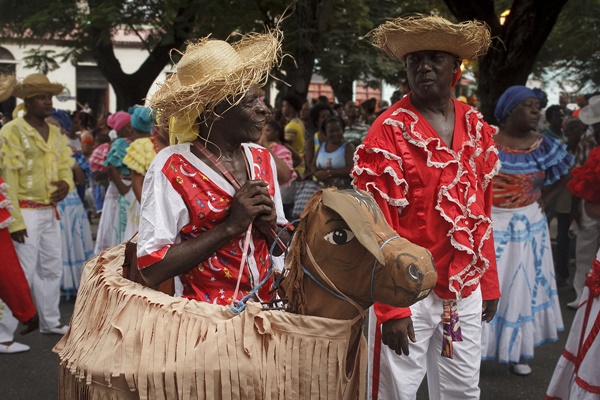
63,118
142,118
509,100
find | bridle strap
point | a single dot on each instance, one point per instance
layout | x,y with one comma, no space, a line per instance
332,288
375,264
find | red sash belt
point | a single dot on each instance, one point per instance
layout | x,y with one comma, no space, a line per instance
35,204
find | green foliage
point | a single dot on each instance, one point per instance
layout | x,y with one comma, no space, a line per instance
41,60
574,44
328,33
345,56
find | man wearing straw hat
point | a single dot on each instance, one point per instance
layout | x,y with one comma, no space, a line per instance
14,289
428,161
36,164
211,203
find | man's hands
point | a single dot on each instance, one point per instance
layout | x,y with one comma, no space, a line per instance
253,204
62,190
396,332
32,325
19,236
488,309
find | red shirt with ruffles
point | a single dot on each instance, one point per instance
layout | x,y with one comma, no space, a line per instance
586,178
435,196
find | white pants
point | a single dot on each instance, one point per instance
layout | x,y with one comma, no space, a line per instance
41,260
586,246
456,378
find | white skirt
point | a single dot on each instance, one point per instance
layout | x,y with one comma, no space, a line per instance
77,242
528,312
114,218
577,373
133,216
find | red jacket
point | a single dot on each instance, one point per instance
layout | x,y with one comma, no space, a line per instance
435,196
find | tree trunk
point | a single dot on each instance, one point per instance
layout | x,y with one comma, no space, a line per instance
131,89
515,45
342,91
308,20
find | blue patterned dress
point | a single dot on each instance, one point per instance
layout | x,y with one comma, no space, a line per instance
528,312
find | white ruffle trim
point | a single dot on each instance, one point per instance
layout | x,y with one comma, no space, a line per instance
6,223
6,204
470,274
371,187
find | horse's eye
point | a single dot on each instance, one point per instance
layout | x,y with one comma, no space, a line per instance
339,236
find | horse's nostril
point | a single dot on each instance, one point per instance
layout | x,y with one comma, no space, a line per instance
414,273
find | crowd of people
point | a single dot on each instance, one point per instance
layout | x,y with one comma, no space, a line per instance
208,188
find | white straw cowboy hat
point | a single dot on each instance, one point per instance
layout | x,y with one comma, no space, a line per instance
405,35
211,71
590,114
35,84
7,84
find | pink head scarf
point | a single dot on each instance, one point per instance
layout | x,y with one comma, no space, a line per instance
118,120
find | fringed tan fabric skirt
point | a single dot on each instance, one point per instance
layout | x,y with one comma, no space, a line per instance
127,341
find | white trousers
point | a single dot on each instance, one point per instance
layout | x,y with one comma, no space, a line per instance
41,260
456,378
586,246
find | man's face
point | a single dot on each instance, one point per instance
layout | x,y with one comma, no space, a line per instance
40,105
430,73
248,117
351,109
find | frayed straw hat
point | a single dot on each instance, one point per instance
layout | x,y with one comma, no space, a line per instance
211,71
35,84
7,84
405,35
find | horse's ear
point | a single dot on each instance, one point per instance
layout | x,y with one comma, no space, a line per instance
364,218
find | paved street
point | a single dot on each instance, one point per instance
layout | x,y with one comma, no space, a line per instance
33,375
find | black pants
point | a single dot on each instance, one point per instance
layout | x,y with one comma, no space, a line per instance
563,241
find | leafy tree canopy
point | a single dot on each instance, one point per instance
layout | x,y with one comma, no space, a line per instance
321,35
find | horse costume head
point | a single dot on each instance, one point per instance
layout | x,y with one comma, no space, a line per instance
345,249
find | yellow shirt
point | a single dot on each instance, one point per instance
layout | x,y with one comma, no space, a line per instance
294,134
29,164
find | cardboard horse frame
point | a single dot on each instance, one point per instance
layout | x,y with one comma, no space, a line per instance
127,341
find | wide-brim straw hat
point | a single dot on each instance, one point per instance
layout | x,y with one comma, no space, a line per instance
211,71
405,35
35,84
590,114
7,85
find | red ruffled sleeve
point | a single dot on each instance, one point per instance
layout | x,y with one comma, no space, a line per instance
586,179
379,171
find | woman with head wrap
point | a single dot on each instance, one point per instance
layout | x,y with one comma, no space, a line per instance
138,157
77,242
121,209
534,168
